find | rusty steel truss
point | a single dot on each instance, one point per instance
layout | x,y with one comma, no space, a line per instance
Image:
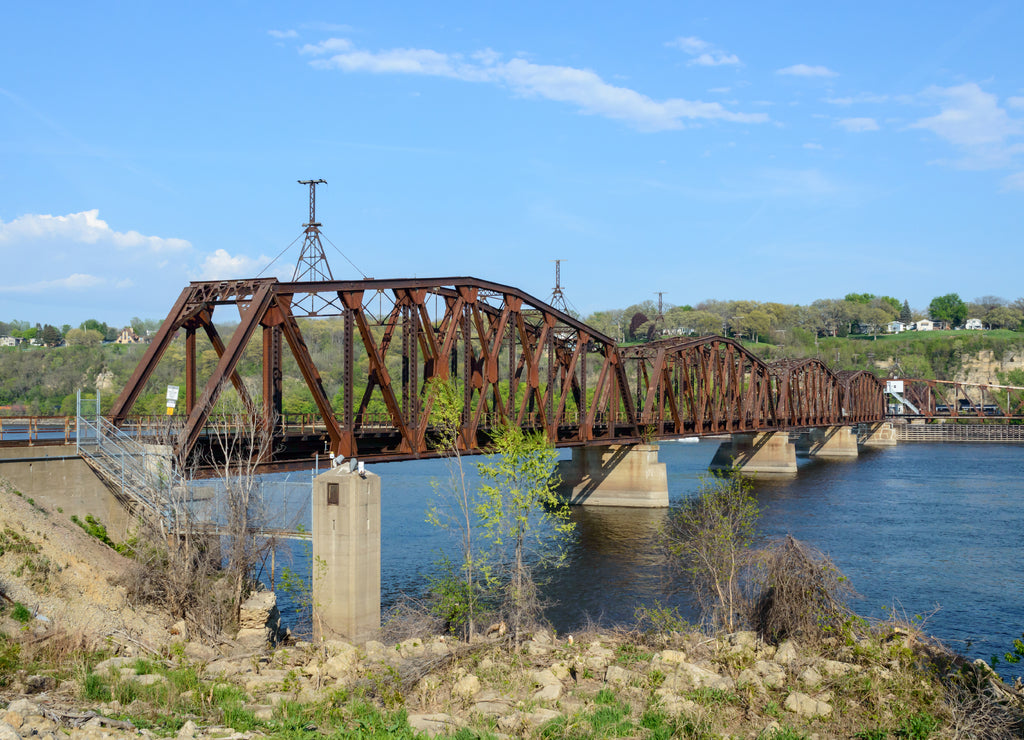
514,361
942,399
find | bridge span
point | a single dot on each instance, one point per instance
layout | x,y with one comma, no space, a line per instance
513,359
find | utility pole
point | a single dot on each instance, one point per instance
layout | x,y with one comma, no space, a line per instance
661,305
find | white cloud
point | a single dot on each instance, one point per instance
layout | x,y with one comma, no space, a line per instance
289,34
1014,181
812,145
77,281
704,54
689,44
326,47
806,70
581,87
715,59
85,227
861,98
1015,102
972,120
222,266
858,125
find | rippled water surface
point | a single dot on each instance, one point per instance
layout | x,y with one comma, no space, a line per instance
927,529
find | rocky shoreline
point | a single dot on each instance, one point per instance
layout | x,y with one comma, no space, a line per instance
728,686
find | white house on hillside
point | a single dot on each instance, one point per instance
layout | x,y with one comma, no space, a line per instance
924,325
973,324
895,327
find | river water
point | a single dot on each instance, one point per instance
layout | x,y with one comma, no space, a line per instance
931,531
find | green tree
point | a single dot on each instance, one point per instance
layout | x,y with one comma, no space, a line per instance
905,315
523,520
708,538
83,338
949,308
50,336
1005,317
457,590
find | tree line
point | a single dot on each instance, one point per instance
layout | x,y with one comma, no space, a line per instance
769,322
89,333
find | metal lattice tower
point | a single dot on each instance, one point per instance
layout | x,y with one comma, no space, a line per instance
557,299
312,265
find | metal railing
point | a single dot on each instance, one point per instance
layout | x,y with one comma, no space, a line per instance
144,476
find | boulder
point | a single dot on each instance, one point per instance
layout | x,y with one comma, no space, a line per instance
786,653
434,724
806,706
810,677
259,621
688,676
466,687
619,676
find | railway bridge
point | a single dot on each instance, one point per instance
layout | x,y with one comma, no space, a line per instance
511,360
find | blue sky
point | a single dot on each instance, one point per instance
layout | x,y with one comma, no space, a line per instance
769,151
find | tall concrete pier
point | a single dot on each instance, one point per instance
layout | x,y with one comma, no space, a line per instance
838,442
346,555
614,475
881,434
768,455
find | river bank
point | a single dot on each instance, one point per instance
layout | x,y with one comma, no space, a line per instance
79,659
885,682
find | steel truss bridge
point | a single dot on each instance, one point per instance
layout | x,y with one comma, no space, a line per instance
514,360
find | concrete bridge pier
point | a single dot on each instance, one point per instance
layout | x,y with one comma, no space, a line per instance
346,555
614,475
833,442
767,454
880,434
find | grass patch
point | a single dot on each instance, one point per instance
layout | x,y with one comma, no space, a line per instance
11,541
20,613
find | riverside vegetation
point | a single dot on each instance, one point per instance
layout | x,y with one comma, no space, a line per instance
44,380
779,656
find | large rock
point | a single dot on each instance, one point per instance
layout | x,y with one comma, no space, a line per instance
466,687
807,706
688,676
344,657
786,653
259,621
434,724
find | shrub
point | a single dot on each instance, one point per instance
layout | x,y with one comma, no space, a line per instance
708,538
800,592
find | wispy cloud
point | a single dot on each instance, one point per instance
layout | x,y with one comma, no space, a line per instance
1013,182
858,125
807,70
222,265
77,281
289,34
704,54
860,98
812,145
583,88
85,227
973,121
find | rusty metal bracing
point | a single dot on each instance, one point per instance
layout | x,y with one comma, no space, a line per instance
514,360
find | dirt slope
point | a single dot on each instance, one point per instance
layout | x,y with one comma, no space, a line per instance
67,578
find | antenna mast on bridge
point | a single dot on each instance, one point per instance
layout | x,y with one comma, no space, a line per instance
312,266
557,299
